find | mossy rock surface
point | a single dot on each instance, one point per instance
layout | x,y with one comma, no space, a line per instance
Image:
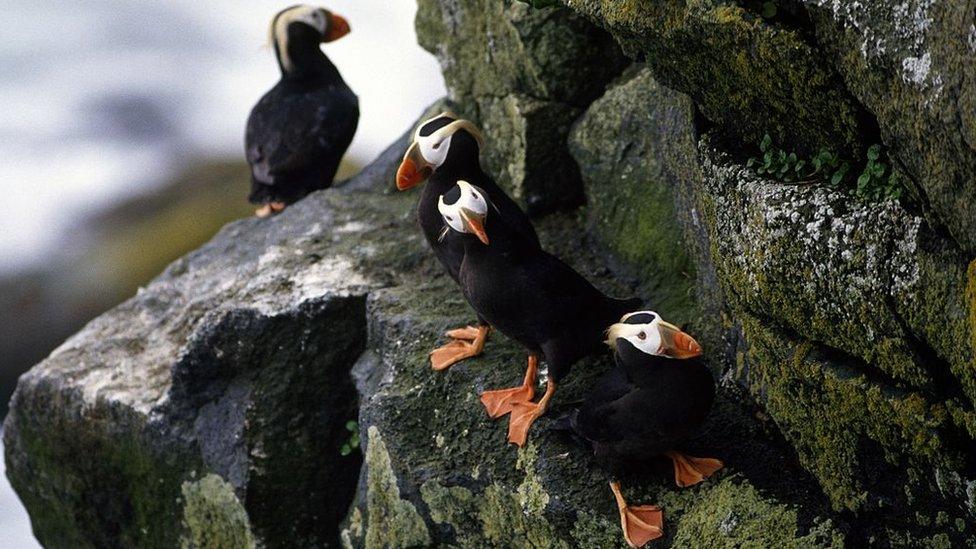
747,74
524,74
208,409
913,64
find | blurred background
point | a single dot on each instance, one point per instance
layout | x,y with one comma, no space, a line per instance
121,133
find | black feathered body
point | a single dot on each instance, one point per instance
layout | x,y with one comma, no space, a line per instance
298,132
645,406
534,298
463,164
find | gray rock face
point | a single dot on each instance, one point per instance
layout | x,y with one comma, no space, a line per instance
524,74
913,64
233,363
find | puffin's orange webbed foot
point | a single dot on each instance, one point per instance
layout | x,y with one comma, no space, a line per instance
524,415
640,523
690,470
467,342
501,401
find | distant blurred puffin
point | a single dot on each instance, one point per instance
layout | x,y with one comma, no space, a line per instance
298,132
445,149
530,296
649,405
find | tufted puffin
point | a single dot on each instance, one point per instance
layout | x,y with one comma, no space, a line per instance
654,400
298,132
529,295
446,148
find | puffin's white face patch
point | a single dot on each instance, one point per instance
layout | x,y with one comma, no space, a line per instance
462,196
317,18
640,328
434,148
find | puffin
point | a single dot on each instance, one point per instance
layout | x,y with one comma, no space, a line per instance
446,148
527,294
651,403
299,130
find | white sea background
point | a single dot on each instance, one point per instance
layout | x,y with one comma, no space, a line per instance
104,99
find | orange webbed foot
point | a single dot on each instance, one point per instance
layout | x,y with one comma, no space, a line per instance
640,523
690,470
502,401
467,342
524,415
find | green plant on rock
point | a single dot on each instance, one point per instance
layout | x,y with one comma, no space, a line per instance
874,183
353,442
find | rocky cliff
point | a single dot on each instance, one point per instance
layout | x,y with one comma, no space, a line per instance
792,180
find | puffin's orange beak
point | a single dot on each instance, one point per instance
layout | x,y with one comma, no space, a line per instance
677,344
338,27
476,224
413,170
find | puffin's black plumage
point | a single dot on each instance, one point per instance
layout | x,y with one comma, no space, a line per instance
534,298
298,132
646,406
462,163
453,150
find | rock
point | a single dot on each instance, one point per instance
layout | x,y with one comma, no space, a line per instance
750,76
914,66
524,74
432,452
636,148
209,408
857,342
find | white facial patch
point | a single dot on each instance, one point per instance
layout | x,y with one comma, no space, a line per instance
644,335
310,15
434,147
470,199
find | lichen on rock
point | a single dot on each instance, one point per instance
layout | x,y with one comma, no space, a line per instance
213,515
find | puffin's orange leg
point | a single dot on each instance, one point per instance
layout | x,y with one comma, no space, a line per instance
690,470
264,211
466,343
277,207
640,524
525,413
500,402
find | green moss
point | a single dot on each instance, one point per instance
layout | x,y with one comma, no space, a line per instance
392,521
749,76
636,150
112,497
732,513
861,440
213,515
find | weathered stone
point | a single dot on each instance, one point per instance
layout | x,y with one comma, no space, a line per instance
913,64
524,74
868,279
525,154
636,148
749,76
892,455
231,367
451,463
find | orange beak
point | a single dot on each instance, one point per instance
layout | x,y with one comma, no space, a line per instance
677,344
475,224
413,170
338,27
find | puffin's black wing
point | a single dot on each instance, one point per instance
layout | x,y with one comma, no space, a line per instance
296,138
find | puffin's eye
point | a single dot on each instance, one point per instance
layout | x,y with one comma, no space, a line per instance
449,218
641,336
437,145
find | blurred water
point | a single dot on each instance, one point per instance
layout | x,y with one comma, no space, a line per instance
101,99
